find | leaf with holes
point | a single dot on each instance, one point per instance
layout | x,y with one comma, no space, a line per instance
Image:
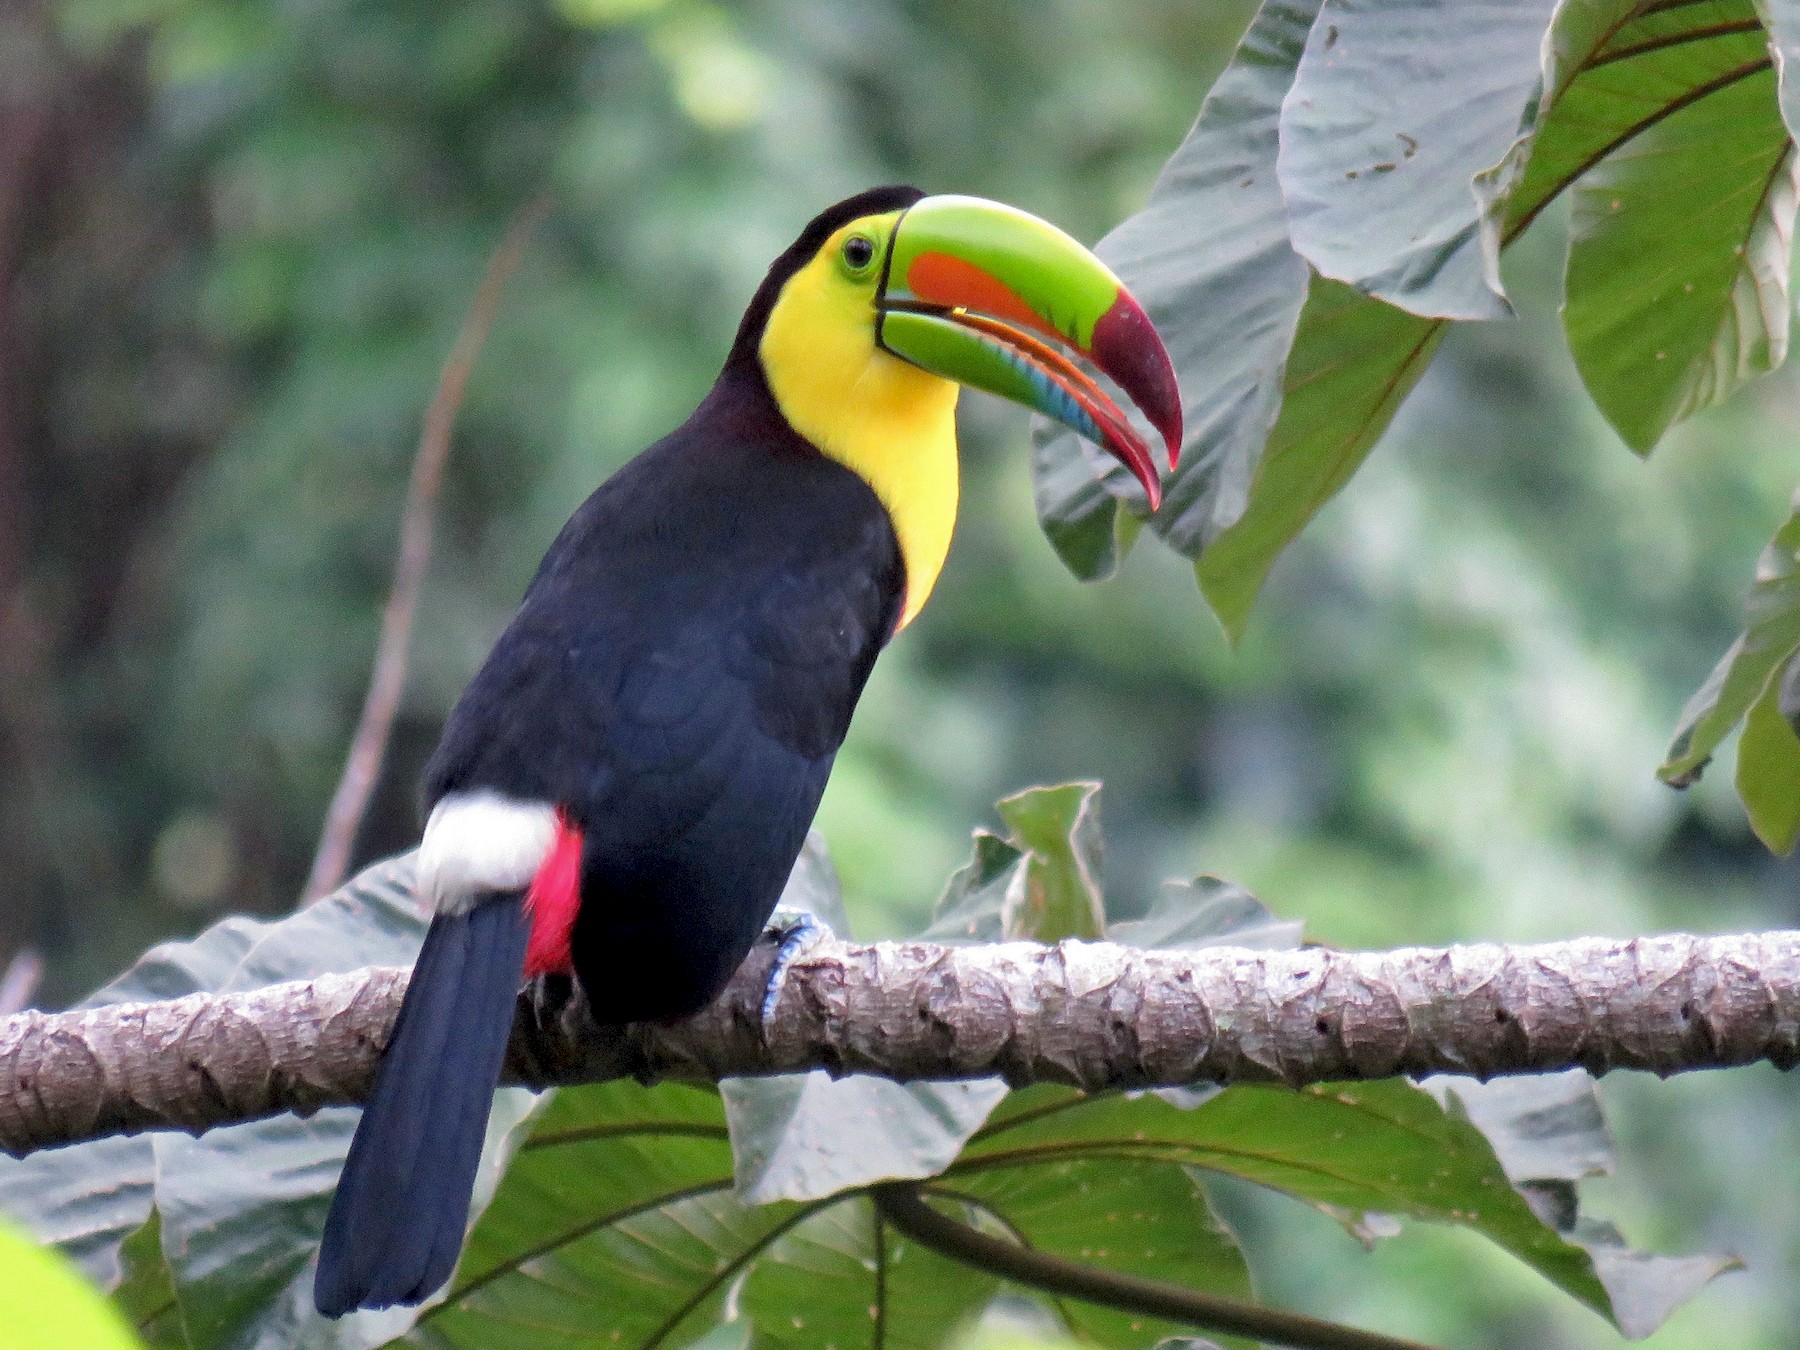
1209,259
1381,175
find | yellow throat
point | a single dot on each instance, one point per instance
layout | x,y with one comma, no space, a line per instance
883,418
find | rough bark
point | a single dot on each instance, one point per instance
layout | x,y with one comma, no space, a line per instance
1096,1015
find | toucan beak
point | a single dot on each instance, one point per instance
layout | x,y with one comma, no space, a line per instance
992,297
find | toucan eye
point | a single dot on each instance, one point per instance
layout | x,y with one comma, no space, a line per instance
859,252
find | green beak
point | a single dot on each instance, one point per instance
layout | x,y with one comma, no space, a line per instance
990,296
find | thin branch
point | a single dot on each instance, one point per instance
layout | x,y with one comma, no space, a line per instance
1094,1015
902,1205
387,681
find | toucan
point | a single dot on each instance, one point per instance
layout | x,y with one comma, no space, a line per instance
622,790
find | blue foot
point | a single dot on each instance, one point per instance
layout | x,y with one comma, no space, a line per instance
797,930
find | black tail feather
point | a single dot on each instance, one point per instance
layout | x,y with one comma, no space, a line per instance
397,1221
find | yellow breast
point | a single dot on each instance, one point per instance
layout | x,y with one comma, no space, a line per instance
884,418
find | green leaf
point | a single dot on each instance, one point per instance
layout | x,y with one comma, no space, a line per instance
844,1278
1677,279
1353,361
1209,259
146,1289
616,1225
1771,635
1058,894
1143,1218
1549,1133
45,1303
242,1209
970,908
1380,173
236,1213
1611,73
1082,515
1768,772
1384,1147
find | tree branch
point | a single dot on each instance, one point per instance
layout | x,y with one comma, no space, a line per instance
1095,1015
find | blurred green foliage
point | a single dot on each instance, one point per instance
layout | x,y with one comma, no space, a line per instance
47,1305
235,243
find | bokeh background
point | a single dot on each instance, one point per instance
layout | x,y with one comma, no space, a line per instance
237,238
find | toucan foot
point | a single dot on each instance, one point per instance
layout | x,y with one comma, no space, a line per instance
794,931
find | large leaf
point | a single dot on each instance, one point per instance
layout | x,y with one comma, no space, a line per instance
1754,662
616,1224
1151,1219
1608,76
845,1278
1381,174
1768,772
1678,254
146,1289
1384,1147
1615,68
1353,361
805,1136
1549,1133
1209,258
235,1214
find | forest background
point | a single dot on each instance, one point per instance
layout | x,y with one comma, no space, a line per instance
236,240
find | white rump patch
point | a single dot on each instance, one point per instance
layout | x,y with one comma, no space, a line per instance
477,843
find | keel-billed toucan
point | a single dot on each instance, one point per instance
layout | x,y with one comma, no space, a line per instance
623,788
